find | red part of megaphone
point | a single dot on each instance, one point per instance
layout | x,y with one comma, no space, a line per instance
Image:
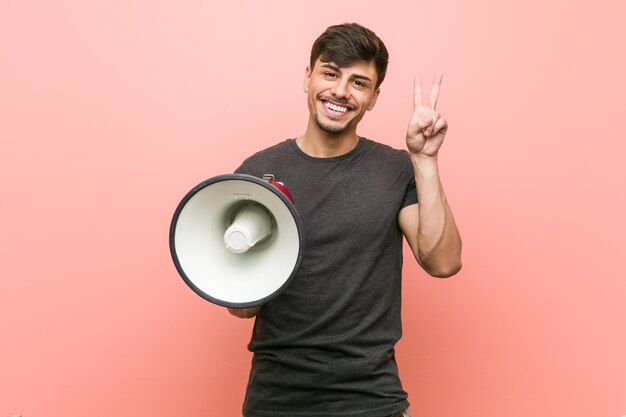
237,240
282,189
270,178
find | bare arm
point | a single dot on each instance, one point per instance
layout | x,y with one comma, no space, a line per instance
429,226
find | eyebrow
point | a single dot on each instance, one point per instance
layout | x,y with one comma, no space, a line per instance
338,69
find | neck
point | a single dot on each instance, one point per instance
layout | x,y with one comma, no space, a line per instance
319,144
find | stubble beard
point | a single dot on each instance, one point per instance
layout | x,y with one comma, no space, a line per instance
331,129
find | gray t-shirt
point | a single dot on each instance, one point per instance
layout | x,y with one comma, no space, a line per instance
324,347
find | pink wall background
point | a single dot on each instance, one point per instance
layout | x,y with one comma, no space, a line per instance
110,111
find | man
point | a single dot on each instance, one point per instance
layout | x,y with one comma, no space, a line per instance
325,346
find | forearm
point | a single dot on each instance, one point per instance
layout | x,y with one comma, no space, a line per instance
438,239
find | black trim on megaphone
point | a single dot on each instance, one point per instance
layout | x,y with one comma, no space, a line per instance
239,177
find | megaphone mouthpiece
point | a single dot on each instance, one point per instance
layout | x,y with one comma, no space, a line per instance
251,225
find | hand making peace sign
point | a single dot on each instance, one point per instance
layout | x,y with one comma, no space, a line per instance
427,128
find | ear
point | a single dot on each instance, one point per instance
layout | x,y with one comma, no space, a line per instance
307,79
373,100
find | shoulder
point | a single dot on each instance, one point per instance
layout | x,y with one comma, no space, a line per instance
266,156
278,149
385,153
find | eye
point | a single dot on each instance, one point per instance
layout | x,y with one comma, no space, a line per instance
360,84
330,74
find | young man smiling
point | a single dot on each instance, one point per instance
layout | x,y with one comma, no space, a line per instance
324,347
338,99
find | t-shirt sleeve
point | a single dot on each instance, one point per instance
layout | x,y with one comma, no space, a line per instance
241,169
410,195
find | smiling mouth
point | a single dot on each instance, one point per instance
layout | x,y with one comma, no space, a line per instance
336,107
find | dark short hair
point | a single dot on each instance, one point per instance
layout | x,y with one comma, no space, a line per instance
348,43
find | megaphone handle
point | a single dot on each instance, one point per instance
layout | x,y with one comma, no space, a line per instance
270,178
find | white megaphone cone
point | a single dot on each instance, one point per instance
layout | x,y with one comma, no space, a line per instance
237,240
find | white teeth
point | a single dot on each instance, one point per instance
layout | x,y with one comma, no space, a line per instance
336,107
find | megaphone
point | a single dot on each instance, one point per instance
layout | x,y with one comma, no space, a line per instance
237,240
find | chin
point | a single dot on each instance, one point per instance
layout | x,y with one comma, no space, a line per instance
331,129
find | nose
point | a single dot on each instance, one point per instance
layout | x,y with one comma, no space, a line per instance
341,88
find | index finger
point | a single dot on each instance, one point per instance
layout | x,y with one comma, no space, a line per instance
434,91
